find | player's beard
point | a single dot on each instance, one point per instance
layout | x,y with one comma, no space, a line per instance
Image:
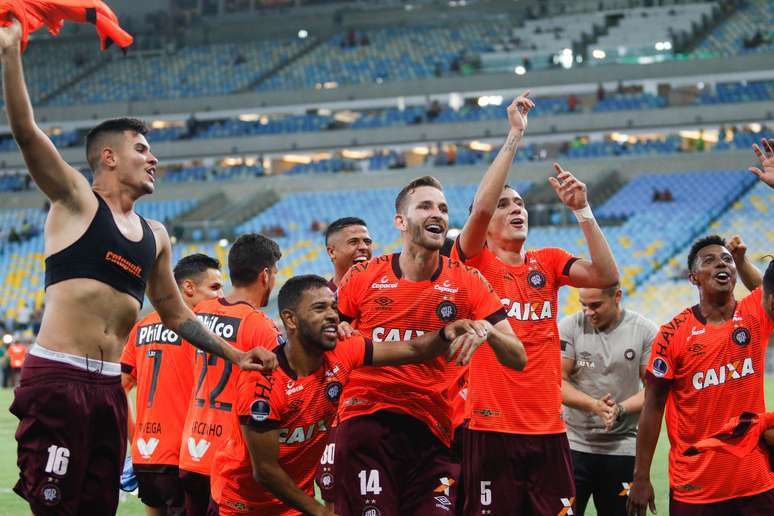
420,237
314,337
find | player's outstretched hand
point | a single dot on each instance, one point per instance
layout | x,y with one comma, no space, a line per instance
641,496
258,359
569,189
346,330
765,154
518,112
467,336
738,248
10,35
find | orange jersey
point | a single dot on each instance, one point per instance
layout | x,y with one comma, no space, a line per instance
387,307
302,408
162,366
16,355
715,373
209,419
528,401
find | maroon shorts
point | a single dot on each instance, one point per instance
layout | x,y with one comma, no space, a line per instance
71,438
159,486
323,477
196,490
757,505
513,474
391,464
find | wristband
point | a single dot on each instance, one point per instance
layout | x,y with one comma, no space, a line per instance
442,335
621,412
584,214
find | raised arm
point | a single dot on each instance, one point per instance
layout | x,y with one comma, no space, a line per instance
765,154
748,273
641,494
58,180
473,234
175,315
263,447
601,271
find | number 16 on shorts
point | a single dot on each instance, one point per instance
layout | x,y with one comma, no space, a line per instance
58,460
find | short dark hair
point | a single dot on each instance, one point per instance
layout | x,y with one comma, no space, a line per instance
111,126
611,290
768,278
193,264
701,244
291,292
250,254
505,187
430,181
339,224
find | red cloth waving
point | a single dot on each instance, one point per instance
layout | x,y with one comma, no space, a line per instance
739,436
33,14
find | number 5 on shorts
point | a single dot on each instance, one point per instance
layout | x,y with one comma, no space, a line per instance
486,493
369,482
58,459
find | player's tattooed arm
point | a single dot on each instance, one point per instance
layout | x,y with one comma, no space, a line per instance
263,446
175,315
473,234
641,495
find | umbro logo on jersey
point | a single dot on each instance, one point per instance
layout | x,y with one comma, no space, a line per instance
147,448
197,450
383,302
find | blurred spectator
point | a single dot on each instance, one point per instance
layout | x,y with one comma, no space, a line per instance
17,352
572,103
317,226
433,111
24,317
13,236
364,41
5,366
600,92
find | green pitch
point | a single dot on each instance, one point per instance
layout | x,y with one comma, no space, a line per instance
12,505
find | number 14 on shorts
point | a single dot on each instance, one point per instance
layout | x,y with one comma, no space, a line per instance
369,482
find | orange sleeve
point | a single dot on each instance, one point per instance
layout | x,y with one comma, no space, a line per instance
258,404
484,300
661,365
754,302
457,254
357,351
350,290
258,331
128,356
560,262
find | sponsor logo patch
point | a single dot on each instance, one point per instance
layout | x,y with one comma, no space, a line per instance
660,367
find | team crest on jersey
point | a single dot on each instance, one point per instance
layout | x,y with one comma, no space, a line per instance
660,367
371,510
629,354
50,494
327,480
741,336
260,410
446,311
536,279
333,391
